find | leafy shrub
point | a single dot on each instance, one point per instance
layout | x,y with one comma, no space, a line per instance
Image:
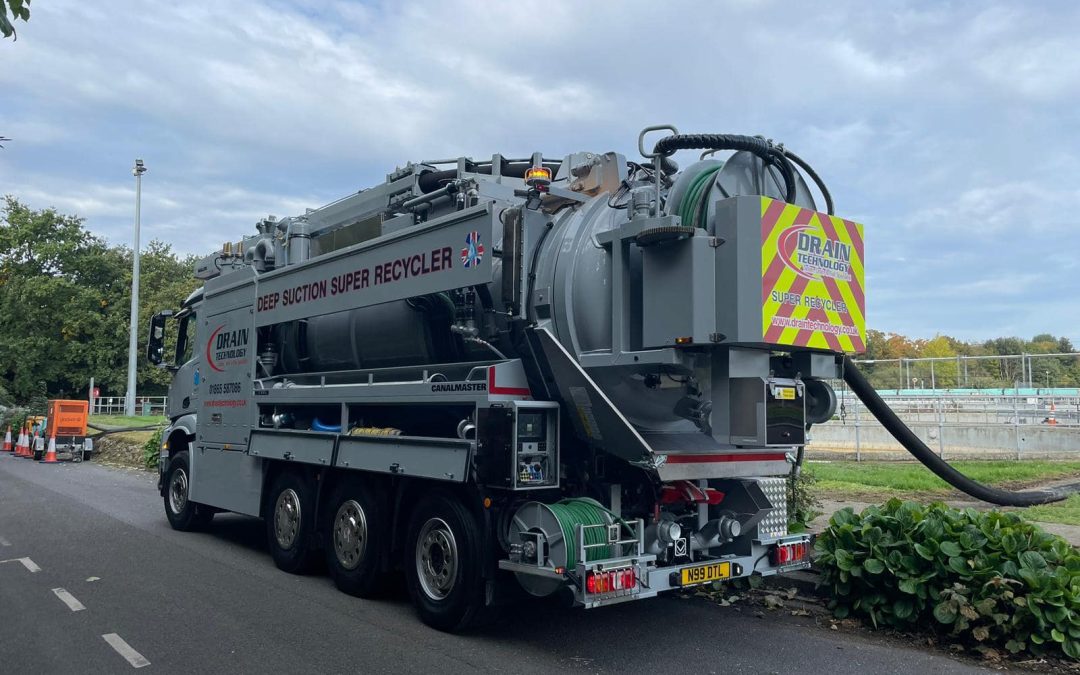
13,417
152,450
982,577
802,504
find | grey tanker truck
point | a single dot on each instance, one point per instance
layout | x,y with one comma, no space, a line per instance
509,377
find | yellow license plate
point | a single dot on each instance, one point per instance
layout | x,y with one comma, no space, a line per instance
705,573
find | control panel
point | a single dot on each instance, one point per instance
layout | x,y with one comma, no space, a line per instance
518,445
536,445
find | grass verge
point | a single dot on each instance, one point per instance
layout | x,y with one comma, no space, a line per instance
879,481
115,421
914,477
1066,512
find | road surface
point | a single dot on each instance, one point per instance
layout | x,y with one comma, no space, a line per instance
94,580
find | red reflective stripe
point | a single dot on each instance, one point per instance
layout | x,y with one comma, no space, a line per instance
700,459
510,391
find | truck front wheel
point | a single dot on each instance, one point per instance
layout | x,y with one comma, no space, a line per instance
442,564
355,533
183,514
290,523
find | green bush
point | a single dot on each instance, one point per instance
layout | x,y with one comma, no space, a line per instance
13,417
802,504
988,578
152,450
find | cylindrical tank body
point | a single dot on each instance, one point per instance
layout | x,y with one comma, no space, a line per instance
382,336
572,267
577,270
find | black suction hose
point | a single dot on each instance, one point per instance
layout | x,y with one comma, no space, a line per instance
814,177
769,153
921,452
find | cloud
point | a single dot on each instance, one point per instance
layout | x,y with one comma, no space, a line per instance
948,129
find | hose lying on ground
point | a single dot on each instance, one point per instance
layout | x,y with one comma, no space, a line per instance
105,431
924,454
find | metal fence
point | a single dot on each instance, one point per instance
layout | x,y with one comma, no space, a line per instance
1021,405
1023,371
114,405
995,423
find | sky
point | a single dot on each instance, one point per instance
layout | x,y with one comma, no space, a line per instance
950,129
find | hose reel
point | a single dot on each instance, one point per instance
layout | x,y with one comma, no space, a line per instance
546,535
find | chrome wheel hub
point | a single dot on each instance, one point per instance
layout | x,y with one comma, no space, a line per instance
287,518
350,534
178,491
436,559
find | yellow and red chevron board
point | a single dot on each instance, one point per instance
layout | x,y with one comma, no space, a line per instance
811,279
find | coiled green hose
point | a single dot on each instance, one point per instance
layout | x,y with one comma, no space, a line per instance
690,209
584,511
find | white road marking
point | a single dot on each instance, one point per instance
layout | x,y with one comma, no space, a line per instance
69,600
93,578
4,542
26,562
122,648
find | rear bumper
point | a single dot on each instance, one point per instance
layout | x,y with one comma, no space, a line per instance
653,580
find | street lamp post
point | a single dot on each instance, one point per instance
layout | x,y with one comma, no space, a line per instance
133,337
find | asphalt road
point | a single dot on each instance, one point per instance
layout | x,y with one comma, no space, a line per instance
214,603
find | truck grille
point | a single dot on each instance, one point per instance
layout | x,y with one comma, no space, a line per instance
774,524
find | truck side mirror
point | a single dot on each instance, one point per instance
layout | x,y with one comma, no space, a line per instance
155,343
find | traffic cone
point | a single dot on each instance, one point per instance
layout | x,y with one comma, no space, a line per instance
50,454
7,440
32,447
1052,420
20,448
28,449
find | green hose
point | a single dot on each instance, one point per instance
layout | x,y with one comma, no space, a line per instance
694,199
584,511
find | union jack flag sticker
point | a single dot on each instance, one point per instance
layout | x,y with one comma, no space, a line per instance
473,252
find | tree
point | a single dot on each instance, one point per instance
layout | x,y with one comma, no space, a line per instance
56,280
19,9
67,296
165,281
945,373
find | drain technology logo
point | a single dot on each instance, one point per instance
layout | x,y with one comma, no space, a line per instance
806,251
228,348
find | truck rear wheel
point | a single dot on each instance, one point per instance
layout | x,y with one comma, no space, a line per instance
355,532
183,514
290,523
442,565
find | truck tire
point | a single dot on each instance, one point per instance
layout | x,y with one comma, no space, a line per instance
355,537
183,514
290,523
443,564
